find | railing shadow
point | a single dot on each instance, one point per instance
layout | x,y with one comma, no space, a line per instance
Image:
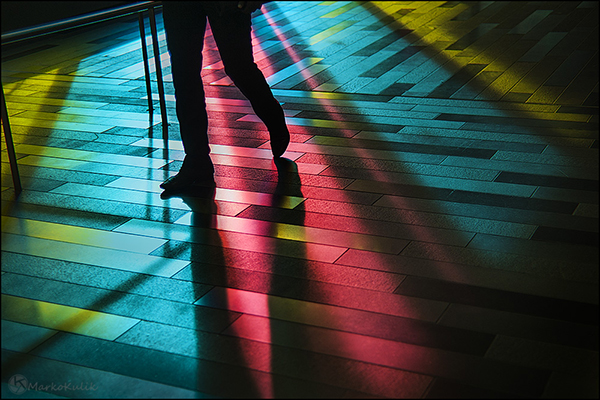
81,21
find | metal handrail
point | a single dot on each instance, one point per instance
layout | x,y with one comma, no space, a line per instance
77,22
74,22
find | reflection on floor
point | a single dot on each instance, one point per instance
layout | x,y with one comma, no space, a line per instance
432,232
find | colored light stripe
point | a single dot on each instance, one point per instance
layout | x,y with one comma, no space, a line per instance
100,114
80,235
116,259
233,240
65,318
33,118
324,313
146,192
52,162
18,100
215,149
279,231
340,10
57,77
83,155
52,124
340,123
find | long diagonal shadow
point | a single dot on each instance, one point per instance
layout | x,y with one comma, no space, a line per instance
377,170
216,261
366,160
475,82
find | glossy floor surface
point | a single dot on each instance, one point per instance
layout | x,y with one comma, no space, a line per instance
432,232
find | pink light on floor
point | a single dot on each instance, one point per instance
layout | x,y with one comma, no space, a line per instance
242,300
210,53
329,106
352,346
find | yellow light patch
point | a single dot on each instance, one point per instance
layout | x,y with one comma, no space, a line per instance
84,155
433,27
101,257
53,124
240,196
51,162
65,318
35,116
80,235
340,10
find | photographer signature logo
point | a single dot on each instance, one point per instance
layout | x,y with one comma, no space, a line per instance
18,384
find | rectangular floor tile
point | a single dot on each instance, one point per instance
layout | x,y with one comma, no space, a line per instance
499,300
118,259
79,235
400,306
101,206
21,337
555,357
518,324
568,270
65,318
576,252
232,239
121,303
573,236
483,276
392,233
249,270
91,156
221,194
103,278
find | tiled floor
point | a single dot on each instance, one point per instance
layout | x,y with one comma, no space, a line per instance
433,232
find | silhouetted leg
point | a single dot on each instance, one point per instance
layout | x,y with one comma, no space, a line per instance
232,33
185,24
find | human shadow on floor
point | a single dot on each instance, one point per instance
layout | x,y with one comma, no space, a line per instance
244,267
217,356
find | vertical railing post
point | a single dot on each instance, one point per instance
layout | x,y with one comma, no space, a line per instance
146,68
10,148
161,91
